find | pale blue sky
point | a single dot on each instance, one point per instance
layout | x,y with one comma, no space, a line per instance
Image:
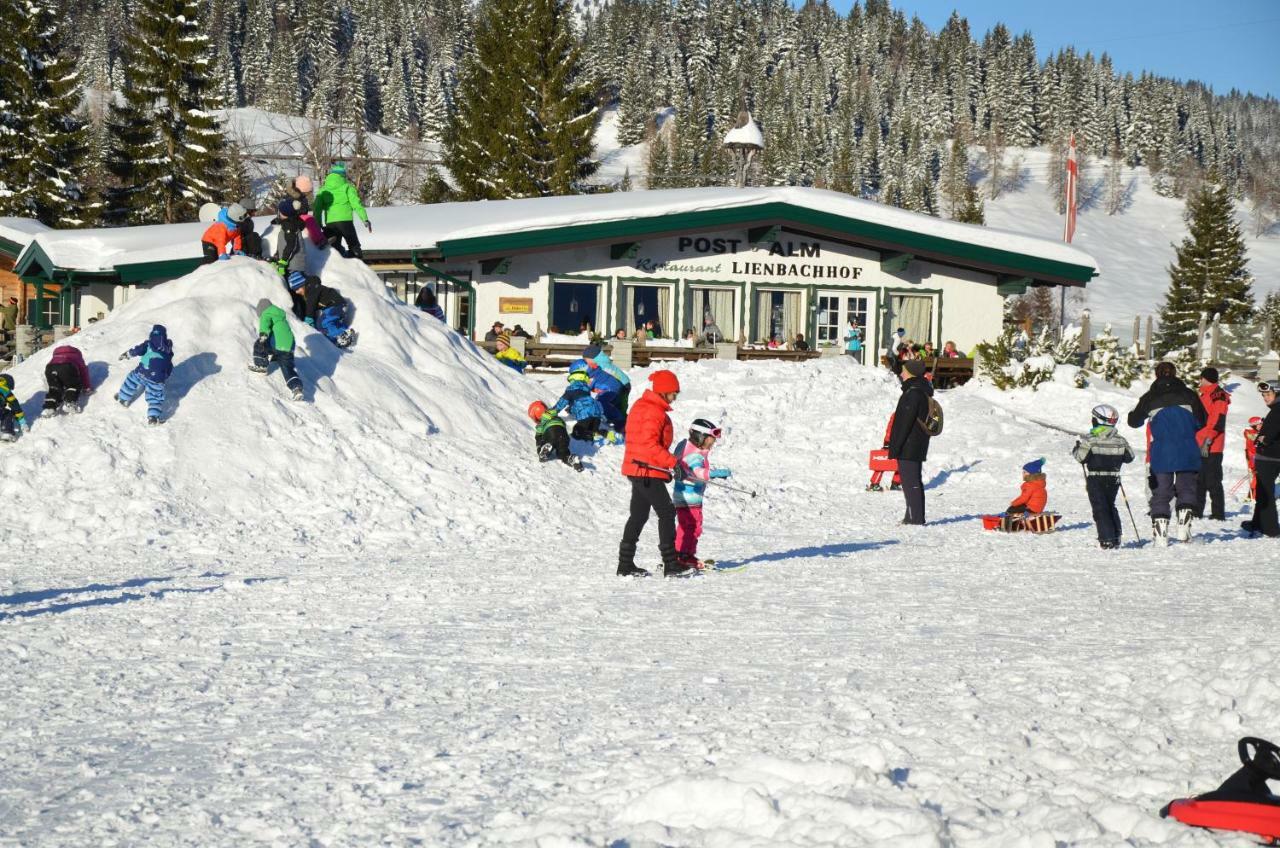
1224,43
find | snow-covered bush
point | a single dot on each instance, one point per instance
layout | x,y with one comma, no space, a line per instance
1113,363
1014,361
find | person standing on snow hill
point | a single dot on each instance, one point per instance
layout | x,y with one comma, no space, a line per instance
1212,439
1103,454
323,308
291,257
298,194
222,238
550,436
600,364
1267,463
275,344
336,205
68,379
649,465
1173,415
154,368
12,417
693,472
908,440
250,240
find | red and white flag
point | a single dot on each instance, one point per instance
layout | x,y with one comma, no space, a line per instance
1073,171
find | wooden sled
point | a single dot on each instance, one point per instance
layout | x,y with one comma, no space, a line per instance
1045,522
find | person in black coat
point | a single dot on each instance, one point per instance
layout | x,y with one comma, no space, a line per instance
1267,463
908,441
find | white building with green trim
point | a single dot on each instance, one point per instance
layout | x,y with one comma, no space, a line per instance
762,261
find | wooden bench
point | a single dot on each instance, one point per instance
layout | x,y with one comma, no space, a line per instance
950,372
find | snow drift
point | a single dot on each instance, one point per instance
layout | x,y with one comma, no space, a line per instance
391,430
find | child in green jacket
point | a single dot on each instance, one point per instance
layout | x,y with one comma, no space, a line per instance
11,415
337,203
275,344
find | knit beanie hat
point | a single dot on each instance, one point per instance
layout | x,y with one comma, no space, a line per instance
915,367
505,338
664,382
339,168
591,351
1035,466
1210,374
1166,369
302,183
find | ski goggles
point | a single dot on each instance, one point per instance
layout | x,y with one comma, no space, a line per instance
713,432
1265,387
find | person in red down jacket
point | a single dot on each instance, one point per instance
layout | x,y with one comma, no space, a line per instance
68,380
649,464
1212,438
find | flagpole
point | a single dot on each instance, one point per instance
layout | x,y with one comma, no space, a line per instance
1069,225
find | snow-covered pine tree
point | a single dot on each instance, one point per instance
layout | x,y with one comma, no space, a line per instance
1269,313
524,117
1209,274
167,153
1115,364
15,119
56,135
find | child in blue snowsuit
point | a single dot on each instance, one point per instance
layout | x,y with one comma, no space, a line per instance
581,403
323,308
154,368
594,355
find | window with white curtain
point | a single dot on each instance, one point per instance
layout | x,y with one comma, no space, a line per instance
778,313
719,304
643,303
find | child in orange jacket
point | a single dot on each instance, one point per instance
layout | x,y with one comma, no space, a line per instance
1250,454
1033,497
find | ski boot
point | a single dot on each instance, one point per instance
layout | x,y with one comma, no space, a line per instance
297,393
253,366
545,452
347,339
575,462
153,420
874,487
1160,531
122,401
895,487
1182,530
1109,544
631,571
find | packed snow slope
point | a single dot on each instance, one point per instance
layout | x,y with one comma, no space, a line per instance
410,419
292,654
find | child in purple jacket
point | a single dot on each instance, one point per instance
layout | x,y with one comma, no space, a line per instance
68,380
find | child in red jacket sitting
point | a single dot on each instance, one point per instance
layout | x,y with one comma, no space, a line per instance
1033,498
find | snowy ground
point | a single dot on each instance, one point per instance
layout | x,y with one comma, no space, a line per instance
327,623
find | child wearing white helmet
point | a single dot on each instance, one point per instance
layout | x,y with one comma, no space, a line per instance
693,471
1103,452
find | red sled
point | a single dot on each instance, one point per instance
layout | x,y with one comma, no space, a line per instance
1243,802
1045,522
880,461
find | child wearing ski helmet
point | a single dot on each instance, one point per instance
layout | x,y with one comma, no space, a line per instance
1103,453
1251,453
1032,498
608,377
223,238
154,367
12,419
68,379
581,403
693,471
550,436
275,344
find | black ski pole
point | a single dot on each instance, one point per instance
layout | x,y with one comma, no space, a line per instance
1132,521
750,492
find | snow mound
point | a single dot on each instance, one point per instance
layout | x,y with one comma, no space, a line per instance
410,416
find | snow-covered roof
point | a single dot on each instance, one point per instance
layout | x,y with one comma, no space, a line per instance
21,231
434,227
748,135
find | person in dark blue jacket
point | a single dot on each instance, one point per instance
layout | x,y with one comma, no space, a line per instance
1173,414
908,440
154,367
608,391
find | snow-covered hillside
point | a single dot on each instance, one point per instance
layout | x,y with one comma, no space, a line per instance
373,617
